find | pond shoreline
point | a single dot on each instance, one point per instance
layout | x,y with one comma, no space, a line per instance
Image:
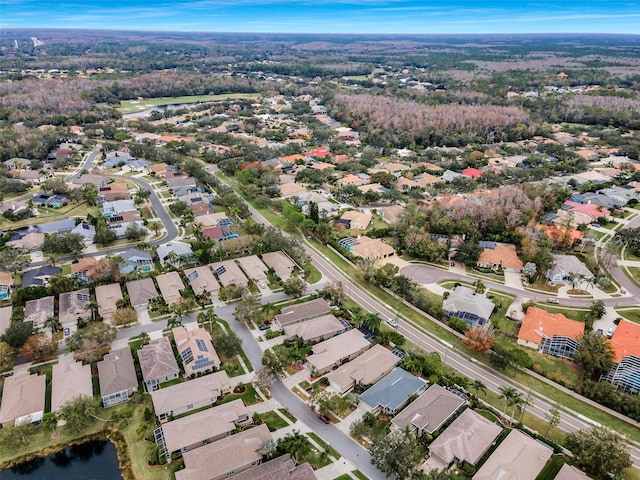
108,435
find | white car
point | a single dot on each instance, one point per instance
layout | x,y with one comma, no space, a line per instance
392,323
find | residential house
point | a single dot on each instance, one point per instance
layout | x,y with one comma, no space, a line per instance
299,312
141,293
550,333
395,168
355,180
192,431
392,393
567,267
591,210
467,439
373,187
280,468
405,184
135,260
117,207
364,370
107,297
365,247
84,269
32,176
191,395
6,283
254,268
68,382
592,198
220,234
113,191
355,220
225,457
292,189
23,398
215,219
229,273
518,457
202,281
196,350
189,183
37,311
174,253
316,329
281,264
73,309
330,354
5,318
449,176
170,285
31,242
465,304
50,200
562,235
569,472
39,276
427,179
121,221
157,363
429,412
117,375
158,168
472,173
625,372
500,256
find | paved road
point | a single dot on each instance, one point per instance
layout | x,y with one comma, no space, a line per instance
87,164
348,448
570,421
165,218
172,230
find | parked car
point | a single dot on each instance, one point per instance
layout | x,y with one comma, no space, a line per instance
610,333
324,419
392,323
599,332
552,300
264,326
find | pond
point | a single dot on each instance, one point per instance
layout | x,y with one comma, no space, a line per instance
96,460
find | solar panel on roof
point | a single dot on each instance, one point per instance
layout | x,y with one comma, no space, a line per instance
193,275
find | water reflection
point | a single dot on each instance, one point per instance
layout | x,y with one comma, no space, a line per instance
95,460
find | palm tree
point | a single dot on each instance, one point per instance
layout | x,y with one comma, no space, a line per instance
92,305
53,323
144,337
155,226
295,445
508,393
267,448
480,286
477,386
517,401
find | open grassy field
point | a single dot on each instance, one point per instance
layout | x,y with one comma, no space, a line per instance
51,214
133,106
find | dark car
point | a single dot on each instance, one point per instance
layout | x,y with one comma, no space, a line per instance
324,419
264,326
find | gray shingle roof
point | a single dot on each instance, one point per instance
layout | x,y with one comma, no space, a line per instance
393,390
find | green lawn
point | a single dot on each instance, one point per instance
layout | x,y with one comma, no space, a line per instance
572,313
360,475
132,106
324,445
552,468
249,396
273,421
632,314
51,214
286,413
450,284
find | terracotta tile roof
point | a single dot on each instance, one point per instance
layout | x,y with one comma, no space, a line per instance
503,255
539,323
472,172
626,340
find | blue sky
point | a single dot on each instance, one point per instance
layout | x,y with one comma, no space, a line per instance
328,16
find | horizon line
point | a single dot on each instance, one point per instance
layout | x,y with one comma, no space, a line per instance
460,34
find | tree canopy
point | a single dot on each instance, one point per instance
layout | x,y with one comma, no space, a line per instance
599,451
